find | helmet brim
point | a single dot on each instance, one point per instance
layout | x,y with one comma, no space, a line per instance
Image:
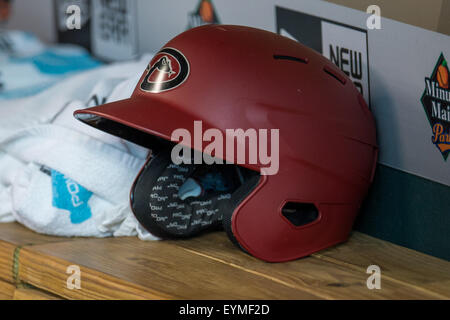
137,119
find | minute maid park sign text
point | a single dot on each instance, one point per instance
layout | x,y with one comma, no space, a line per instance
436,102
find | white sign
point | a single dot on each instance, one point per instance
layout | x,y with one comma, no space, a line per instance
114,29
347,48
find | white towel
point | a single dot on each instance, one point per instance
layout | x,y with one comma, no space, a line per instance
19,44
66,178
9,167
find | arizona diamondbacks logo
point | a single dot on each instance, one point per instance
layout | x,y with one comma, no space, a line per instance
168,70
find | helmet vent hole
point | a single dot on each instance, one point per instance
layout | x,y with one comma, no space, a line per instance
300,214
334,74
290,58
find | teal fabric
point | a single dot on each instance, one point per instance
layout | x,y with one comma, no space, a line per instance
54,63
27,67
69,195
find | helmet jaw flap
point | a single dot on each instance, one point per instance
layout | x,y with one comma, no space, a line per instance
265,223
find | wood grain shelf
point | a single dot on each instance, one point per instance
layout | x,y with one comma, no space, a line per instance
209,267
32,294
14,236
6,290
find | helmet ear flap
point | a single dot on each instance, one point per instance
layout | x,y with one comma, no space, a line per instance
238,196
227,226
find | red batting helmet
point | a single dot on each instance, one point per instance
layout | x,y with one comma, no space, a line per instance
234,77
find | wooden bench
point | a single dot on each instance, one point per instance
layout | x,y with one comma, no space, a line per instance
34,266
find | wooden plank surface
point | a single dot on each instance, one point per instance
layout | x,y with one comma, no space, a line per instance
18,235
6,290
210,267
13,236
128,268
6,261
403,266
32,294
331,277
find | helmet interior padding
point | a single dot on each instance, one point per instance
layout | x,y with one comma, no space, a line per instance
157,204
